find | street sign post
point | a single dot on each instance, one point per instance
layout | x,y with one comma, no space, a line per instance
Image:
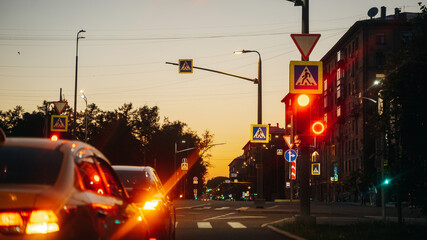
260,133
60,106
59,123
305,43
306,77
185,66
291,155
184,166
315,169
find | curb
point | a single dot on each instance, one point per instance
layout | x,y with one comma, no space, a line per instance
289,235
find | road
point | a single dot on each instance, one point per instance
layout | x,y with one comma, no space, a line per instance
215,220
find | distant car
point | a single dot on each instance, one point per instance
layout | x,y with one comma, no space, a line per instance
146,189
62,190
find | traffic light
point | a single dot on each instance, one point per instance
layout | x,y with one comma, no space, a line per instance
318,128
54,138
386,181
302,113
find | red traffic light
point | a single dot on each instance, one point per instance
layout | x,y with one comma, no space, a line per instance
318,128
54,138
303,100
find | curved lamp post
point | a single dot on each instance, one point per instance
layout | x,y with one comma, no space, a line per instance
75,84
259,165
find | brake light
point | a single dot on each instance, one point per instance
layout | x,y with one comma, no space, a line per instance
9,219
151,205
42,222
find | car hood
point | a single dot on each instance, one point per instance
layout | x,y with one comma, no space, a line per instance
26,196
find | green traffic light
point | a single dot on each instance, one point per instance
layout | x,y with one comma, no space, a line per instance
386,181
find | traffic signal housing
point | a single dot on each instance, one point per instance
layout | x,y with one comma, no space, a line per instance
302,113
318,128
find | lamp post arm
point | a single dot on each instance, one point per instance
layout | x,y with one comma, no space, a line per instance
215,71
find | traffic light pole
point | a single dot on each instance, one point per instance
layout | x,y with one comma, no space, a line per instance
304,148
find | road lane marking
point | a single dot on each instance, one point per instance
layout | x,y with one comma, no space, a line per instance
242,209
236,225
204,225
222,208
206,219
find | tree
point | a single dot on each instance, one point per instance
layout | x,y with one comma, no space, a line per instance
404,118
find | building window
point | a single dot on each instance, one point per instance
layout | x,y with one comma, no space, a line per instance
325,101
325,85
380,60
338,111
380,39
338,91
325,117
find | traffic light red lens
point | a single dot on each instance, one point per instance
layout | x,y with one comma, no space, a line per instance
303,100
318,128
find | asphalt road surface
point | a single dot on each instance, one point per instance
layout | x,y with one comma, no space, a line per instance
219,220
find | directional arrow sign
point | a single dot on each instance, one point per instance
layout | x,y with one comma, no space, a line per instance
291,155
305,43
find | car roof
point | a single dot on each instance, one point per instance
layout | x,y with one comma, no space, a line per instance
132,168
45,143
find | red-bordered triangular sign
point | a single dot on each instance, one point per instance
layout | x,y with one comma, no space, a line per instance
305,43
60,106
288,141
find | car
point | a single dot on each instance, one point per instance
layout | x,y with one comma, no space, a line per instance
63,190
146,189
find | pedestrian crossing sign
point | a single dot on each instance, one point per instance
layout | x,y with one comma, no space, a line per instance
306,77
260,133
184,166
315,169
59,123
185,65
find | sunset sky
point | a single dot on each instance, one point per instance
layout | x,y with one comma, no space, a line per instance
122,57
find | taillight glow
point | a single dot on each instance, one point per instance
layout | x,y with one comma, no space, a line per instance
151,205
42,222
9,219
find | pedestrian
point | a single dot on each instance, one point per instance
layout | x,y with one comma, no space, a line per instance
372,194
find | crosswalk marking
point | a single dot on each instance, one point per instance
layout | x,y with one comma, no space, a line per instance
222,208
236,225
242,209
204,225
208,225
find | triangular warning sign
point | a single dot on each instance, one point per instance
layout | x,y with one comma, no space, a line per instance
288,141
315,169
59,124
60,106
306,78
185,67
305,43
259,134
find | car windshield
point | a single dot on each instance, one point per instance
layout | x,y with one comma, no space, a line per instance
135,179
24,165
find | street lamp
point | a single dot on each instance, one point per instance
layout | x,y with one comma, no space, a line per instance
259,82
85,98
75,84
